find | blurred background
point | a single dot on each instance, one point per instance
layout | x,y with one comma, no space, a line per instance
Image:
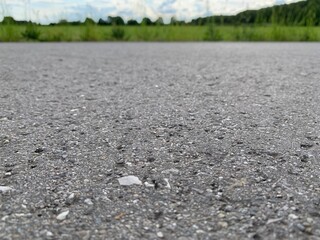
159,20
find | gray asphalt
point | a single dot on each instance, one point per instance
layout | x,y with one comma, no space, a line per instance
222,139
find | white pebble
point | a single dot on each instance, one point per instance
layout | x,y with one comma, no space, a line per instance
293,216
160,234
71,196
5,189
149,185
168,184
129,180
62,216
88,201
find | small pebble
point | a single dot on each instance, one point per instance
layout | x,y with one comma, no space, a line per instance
304,158
223,224
160,234
301,227
88,201
293,216
5,189
168,184
309,220
71,196
228,208
39,150
62,216
129,180
151,159
149,185
120,161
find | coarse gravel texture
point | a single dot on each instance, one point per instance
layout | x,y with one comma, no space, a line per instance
221,141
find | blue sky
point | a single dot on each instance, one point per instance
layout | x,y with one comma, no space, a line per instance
46,11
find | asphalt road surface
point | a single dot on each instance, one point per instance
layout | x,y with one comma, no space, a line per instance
215,141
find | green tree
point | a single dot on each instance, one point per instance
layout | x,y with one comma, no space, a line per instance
159,21
146,22
118,21
8,20
132,22
89,21
63,22
311,16
173,21
102,22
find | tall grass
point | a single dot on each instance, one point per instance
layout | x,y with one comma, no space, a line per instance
31,33
90,33
212,33
14,33
118,33
9,33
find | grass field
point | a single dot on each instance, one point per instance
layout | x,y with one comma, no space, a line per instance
17,33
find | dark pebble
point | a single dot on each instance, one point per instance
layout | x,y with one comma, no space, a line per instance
39,150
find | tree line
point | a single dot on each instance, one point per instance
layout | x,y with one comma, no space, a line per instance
304,13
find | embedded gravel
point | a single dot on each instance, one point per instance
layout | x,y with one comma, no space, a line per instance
160,141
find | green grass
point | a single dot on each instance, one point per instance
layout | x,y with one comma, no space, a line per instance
16,33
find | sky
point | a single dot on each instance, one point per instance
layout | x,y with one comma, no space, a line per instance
47,11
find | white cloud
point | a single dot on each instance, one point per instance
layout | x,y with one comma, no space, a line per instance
53,10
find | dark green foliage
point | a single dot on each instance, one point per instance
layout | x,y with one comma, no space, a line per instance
175,22
63,22
8,20
118,21
75,23
102,22
312,13
303,13
132,23
31,32
117,33
146,22
66,23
